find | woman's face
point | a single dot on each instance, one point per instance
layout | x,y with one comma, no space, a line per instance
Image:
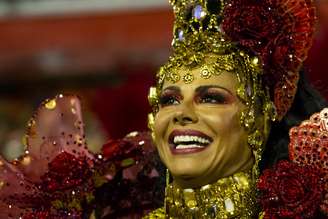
198,132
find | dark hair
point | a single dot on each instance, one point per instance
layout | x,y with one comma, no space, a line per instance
307,102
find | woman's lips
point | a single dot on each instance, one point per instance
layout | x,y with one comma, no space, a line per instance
188,141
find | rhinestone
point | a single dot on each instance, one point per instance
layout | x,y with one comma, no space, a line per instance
181,35
190,198
198,12
132,134
229,206
255,61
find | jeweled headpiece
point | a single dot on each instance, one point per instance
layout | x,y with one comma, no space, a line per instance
265,39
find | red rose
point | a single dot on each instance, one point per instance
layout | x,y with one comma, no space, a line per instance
254,24
291,191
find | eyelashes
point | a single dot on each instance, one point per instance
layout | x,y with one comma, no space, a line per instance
169,99
213,98
209,96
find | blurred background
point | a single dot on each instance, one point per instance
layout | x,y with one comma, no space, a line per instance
105,51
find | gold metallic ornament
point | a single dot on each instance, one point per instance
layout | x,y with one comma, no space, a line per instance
51,104
231,197
188,78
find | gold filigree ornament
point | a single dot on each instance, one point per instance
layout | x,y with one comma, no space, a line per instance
188,78
231,197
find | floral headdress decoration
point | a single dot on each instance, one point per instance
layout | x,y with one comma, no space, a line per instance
263,42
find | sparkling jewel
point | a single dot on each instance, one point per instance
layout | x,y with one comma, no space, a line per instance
234,199
230,207
51,104
199,12
180,35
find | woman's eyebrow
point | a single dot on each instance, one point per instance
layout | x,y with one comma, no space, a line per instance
172,88
203,89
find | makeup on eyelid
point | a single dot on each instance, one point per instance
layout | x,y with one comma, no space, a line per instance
204,94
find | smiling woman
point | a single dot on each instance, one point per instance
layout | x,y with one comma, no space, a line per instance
223,107
198,132
224,97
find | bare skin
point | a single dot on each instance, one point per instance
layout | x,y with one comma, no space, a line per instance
198,132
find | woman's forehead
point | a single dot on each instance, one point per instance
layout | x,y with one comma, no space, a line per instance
227,80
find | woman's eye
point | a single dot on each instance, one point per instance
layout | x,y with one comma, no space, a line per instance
213,98
168,100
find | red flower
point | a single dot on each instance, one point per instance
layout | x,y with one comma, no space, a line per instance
280,33
66,171
291,191
254,24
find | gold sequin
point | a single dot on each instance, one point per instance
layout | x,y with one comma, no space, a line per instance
51,104
205,72
188,78
2,184
26,160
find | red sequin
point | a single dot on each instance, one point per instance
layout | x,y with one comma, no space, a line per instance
291,191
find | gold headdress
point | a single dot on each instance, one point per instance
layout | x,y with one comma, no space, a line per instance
271,37
263,41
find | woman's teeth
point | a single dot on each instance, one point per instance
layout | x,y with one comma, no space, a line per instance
187,141
180,146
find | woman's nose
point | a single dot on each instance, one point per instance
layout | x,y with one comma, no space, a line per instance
185,115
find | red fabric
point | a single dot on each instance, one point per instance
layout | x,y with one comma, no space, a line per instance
316,63
124,108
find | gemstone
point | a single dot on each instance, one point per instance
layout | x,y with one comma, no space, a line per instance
255,61
181,35
229,206
199,12
190,198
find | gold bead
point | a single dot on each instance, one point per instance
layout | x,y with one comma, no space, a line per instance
255,61
51,104
26,160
